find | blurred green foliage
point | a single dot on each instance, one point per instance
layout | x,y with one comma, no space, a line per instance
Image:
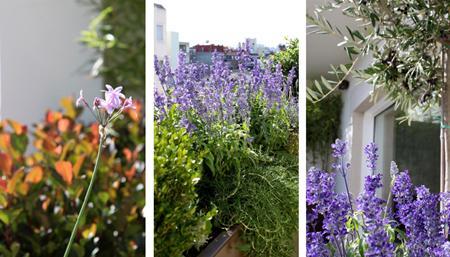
41,191
179,225
118,36
322,126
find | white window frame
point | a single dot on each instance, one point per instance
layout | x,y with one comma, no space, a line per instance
363,134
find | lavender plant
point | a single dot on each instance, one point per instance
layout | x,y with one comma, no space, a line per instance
215,93
105,111
241,118
414,227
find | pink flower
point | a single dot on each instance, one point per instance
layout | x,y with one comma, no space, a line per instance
96,103
80,99
128,103
112,99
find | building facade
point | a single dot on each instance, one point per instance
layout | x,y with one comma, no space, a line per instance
41,58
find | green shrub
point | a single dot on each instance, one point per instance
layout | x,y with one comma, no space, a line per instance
41,192
178,224
288,59
269,127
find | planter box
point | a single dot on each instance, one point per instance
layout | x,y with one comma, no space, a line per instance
224,245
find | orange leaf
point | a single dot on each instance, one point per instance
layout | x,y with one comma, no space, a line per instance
63,125
65,170
77,128
128,154
5,164
3,184
90,231
23,188
12,183
35,175
68,104
49,144
130,173
78,163
18,128
58,150
53,117
135,114
95,133
5,141
45,204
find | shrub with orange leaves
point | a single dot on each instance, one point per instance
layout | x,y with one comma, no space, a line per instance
42,186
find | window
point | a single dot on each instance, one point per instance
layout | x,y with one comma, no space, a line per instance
159,33
415,147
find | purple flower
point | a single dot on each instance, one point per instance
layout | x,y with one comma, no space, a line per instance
319,187
128,104
112,102
112,99
394,169
334,208
335,216
368,203
372,156
315,245
378,244
214,93
372,209
445,212
443,250
420,216
423,228
96,103
339,148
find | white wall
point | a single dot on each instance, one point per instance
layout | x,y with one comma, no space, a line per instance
356,99
41,58
161,47
174,48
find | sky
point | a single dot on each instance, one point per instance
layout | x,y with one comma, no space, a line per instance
229,22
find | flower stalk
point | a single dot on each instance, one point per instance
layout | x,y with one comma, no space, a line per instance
86,197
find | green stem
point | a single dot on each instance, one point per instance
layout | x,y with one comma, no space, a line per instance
86,198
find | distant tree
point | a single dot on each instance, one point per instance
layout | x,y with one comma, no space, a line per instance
288,58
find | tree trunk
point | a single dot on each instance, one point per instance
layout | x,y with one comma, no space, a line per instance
445,130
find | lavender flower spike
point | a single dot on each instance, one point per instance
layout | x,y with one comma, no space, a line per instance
339,148
394,169
371,151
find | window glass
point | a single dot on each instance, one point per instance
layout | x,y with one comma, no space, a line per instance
414,146
159,33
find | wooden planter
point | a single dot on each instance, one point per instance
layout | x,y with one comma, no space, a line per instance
224,245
